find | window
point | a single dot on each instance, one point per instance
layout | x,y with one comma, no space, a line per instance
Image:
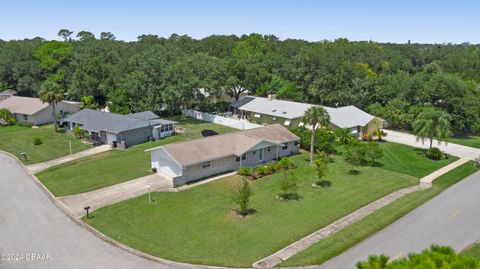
301,124
274,118
205,164
25,117
287,122
237,159
244,157
268,149
257,115
297,143
285,146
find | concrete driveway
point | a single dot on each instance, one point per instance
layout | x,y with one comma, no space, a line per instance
116,193
452,149
31,223
452,218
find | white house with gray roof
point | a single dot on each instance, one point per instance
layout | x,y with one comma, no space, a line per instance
121,130
201,158
261,110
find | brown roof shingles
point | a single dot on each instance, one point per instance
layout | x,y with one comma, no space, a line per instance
220,146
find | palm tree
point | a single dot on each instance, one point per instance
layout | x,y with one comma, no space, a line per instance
51,93
313,116
432,123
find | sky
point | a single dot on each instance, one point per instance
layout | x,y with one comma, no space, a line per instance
397,21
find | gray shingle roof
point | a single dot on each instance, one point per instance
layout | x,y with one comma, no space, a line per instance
242,101
95,121
145,115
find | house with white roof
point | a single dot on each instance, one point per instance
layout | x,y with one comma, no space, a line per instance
265,111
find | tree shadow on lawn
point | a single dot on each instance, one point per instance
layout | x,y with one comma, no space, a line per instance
289,197
323,184
248,213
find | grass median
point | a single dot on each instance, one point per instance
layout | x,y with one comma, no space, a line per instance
355,233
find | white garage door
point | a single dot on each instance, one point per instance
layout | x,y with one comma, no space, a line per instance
111,137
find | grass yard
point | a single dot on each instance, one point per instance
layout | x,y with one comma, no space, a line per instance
197,225
469,141
473,251
115,166
18,139
410,161
355,233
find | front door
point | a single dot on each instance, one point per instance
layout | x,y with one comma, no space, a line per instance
260,155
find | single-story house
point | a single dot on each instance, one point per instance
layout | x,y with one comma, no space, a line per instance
200,158
261,110
120,130
7,93
33,111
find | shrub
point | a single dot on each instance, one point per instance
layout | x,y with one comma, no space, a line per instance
355,154
78,133
288,186
379,134
7,117
373,152
241,197
284,164
320,163
325,138
272,167
435,154
245,171
367,137
261,170
37,141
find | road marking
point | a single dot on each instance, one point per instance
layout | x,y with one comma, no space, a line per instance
399,255
454,214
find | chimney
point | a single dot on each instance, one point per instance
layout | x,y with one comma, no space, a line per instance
272,97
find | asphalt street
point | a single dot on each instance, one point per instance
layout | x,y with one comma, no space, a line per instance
31,224
452,218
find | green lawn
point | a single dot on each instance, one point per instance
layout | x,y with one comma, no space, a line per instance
469,141
18,139
473,251
408,160
197,226
355,233
115,166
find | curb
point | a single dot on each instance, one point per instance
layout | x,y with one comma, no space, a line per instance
102,236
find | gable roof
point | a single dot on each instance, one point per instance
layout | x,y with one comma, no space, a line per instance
23,105
144,115
94,120
219,146
342,117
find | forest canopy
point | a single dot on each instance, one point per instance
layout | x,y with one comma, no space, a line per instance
393,81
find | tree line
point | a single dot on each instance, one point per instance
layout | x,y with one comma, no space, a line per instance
393,81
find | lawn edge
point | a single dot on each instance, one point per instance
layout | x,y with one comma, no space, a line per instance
387,224
102,236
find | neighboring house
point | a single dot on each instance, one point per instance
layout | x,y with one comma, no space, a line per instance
7,93
120,130
33,111
200,158
270,110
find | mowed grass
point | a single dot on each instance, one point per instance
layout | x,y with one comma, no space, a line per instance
197,225
469,141
473,250
18,139
355,233
115,166
408,160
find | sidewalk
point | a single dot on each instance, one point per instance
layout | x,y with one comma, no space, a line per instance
450,148
35,168
309,240
114,194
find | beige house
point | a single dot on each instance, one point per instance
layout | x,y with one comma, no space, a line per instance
265,111
33,111
200,158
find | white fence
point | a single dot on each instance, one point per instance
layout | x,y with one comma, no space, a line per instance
234,123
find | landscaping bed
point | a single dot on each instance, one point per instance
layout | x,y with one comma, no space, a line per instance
197,226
